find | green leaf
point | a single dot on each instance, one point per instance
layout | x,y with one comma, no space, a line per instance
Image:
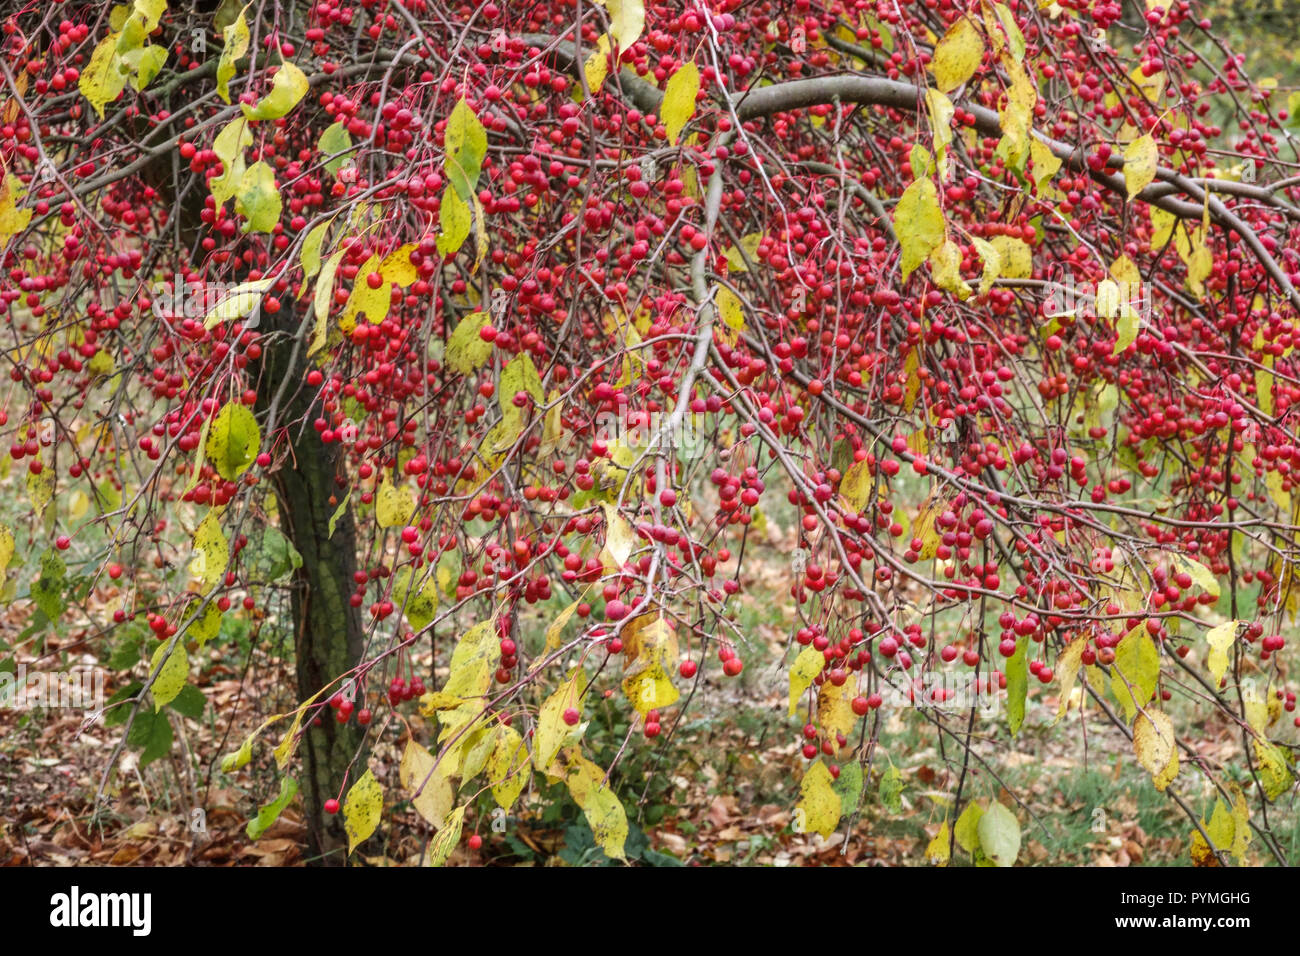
466,145
454,222
891,789
258,198
849,786
49,588
233,440
288,87
466,350
270,555
335,142
1017,685
999,834
190,702
152,732
268,814
1137,660
339,512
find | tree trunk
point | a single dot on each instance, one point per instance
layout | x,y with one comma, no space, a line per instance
328,633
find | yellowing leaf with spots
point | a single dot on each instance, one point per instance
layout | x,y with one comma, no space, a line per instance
855,485
466,350
937,851
240,302
172,677
101,81
365,299
1015,257
1220,639
211,553
1220,830
552,730
40,489
835,708
945,268
508,768
454,222
1045,163
235,38
819,806
957,56
394,504
601,806
1140,161
233,440
12,219
1275,774
919,223
1156,747
732,314
679,99
362,808
445,840
6,550
992,259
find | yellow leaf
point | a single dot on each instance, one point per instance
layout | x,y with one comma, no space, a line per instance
40,489
172,677
652,650
1045,162
855,485
619,537
732,314
555,631
1220,829
957,56
364,300
937,850
397,267
601,806
454,222
438,797
321,300
992,263
1140,160
835,708
819,806
966,830
6,550
1274,769
679,99
233,440
1264,386
12,219
1067,669
1156,747
235,38
466,350
445,840
229,147
508,768
240,302
394,504
101,81
211,553
739,256
597,66
1015,257
940,111
362,808
919,223
473,661
289,86
289,742
552,730
626,21
945,268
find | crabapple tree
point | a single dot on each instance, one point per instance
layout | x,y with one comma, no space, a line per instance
390,318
